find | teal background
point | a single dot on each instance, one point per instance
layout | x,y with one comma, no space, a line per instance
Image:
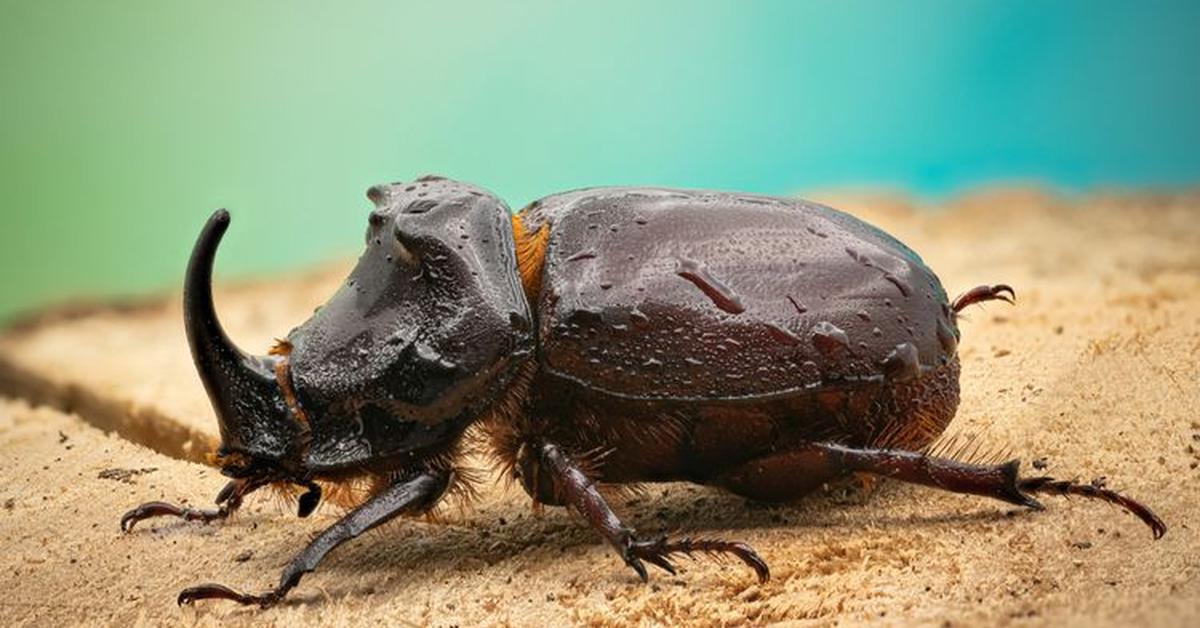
125,123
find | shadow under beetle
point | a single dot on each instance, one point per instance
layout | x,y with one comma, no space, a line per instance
602,336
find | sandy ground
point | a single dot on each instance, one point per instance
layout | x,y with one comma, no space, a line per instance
1094,369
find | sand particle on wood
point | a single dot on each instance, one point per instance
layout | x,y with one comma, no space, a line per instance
1093,373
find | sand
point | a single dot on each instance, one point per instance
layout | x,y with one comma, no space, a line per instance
1093,369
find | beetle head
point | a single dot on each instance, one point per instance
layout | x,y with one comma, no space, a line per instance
427,329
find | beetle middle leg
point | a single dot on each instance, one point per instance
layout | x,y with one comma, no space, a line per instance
413,495
572,486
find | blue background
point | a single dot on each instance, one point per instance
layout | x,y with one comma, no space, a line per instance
126,123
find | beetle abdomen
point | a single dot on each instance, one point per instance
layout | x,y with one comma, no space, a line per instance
657,294
702,440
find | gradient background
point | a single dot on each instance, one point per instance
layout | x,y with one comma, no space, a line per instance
125,123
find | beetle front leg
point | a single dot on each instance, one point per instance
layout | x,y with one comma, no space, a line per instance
413,495
228,501
574,487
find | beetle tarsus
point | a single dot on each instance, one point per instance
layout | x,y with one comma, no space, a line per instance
213,591
981,294
1095,490
228,501
163,509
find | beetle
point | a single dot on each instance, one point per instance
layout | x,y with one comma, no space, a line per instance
599,337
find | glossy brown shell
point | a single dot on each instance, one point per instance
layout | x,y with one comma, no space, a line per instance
663,294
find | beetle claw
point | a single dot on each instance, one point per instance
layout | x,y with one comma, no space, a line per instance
653,552
637,565
656,552
662,563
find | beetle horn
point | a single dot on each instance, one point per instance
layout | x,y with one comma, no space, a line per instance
242,387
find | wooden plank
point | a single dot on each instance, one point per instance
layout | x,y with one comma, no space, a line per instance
1095,368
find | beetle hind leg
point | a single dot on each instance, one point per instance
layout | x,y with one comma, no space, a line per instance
981,294
999,481
572,486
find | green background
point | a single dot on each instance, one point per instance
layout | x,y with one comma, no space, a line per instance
125,123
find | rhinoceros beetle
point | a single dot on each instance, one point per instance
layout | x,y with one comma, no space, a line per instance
603,336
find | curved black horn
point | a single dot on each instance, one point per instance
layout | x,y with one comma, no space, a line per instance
212,350
242,387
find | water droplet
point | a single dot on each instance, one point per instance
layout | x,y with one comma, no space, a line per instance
694,361
810,374
864,315
902,363
782,335
429,354
717,292
829,338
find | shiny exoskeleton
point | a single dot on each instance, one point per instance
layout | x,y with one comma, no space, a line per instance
598,337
